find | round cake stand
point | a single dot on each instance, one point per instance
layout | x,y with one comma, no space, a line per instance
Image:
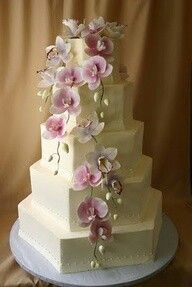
33,262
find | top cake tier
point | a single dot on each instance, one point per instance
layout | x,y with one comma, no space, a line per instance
79,55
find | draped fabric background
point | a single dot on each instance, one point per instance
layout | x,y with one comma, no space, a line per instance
157,52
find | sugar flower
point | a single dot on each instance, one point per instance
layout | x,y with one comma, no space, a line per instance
103,159
64,100
114,30
71,77
88,128
94,70
100,229
90,209
55,128
59,53
95,26
114,183
47,78
73,27
85,176
97,45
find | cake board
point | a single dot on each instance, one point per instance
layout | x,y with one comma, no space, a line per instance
33,262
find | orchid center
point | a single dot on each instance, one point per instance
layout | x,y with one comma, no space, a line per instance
100,46
52,53
67,102
94,71
100,231
104,165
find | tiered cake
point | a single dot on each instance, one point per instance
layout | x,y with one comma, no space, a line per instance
91,204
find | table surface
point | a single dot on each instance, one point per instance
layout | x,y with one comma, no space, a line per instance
177,274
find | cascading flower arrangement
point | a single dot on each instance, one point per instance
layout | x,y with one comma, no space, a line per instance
60,83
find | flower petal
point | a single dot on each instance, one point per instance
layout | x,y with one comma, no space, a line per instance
60,44
100,206
49,135
95,85
98,129
91,40
116,165
110,153
108,70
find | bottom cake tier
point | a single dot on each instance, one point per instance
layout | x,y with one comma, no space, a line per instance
72,252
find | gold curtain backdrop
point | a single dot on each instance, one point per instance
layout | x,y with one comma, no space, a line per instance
157,53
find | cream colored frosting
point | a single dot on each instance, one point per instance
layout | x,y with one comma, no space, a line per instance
71,251
64,201
48,217
128,142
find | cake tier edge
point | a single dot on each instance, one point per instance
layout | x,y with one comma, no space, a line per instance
71,251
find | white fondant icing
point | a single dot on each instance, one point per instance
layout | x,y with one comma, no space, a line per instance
48,217
57,197
128,142
71,251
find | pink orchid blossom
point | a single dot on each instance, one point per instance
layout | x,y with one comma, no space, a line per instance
59,53
90,209
73,27
71,77
95,26
100,229
103,159
55,128
88,128
86,176
97,45
64,100
94,70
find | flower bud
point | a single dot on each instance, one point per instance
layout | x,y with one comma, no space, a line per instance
119,200
101,249
97,265
96,96
39,94
106,102
50,158
115,216
92,264
108,195
45,94
102,184
104,237
66,147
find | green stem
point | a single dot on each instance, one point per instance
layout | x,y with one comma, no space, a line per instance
102,87
94,138
113,200
95,249
91,191
68,119
59,157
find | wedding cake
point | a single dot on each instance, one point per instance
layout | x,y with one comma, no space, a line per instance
92,205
